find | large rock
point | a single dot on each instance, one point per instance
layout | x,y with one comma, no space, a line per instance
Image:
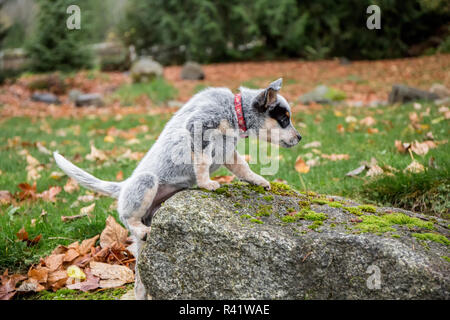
192,71
234,244
45,97
89,99
13,59
323,95
145,69
402,93
111,56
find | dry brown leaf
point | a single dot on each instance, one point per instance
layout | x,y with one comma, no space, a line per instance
357,171
57,279
112,272
5,197
301,166
374,170
54,261
30,285
336,157
313,144
402,147
91,282
71,255
415,167
96,155
420,148
340,128
368,121
119,175
86,245
114,235
22,234
71,186
50,194
40,274
87,210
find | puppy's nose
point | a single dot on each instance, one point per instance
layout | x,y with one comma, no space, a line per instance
299,137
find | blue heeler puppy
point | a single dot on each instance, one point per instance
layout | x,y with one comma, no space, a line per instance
197,140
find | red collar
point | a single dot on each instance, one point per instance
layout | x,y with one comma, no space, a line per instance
240,115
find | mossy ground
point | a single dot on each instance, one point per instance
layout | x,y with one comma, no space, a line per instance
67,294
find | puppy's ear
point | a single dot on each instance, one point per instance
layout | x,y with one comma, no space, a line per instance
269,96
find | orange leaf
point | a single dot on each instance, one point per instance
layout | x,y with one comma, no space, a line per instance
301,166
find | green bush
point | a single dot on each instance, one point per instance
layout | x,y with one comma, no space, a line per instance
53,46
218,30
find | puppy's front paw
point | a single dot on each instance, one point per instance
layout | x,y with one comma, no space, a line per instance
265,184
209,185
142,233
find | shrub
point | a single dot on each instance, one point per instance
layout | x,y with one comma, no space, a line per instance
217,30
53,46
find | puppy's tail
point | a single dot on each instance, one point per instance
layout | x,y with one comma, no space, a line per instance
111,189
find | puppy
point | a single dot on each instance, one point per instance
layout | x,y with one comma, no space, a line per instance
197,140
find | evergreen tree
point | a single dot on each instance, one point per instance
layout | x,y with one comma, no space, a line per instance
218,30
54,46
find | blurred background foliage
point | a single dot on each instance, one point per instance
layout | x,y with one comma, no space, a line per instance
174,31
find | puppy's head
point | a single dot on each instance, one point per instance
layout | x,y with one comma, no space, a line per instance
274,115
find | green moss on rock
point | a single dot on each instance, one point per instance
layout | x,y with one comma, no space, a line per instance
439,238
367,208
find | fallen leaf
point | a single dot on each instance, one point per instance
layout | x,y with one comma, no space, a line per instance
402,147
30,285
56,175
372,130
87,244
336,157
87,210
356,172
113,235
71,186
420,148
313,162
57,279
340,128
54,261
5,197
96,155
374,170
40,274
50,194
415,167
112,272
368,121
119,175
42,148
109,139
301,166
71,255
91,282
349,119
314,144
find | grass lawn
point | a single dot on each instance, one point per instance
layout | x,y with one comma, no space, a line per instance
72,138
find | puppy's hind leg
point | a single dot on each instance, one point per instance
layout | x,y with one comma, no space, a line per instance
134,201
